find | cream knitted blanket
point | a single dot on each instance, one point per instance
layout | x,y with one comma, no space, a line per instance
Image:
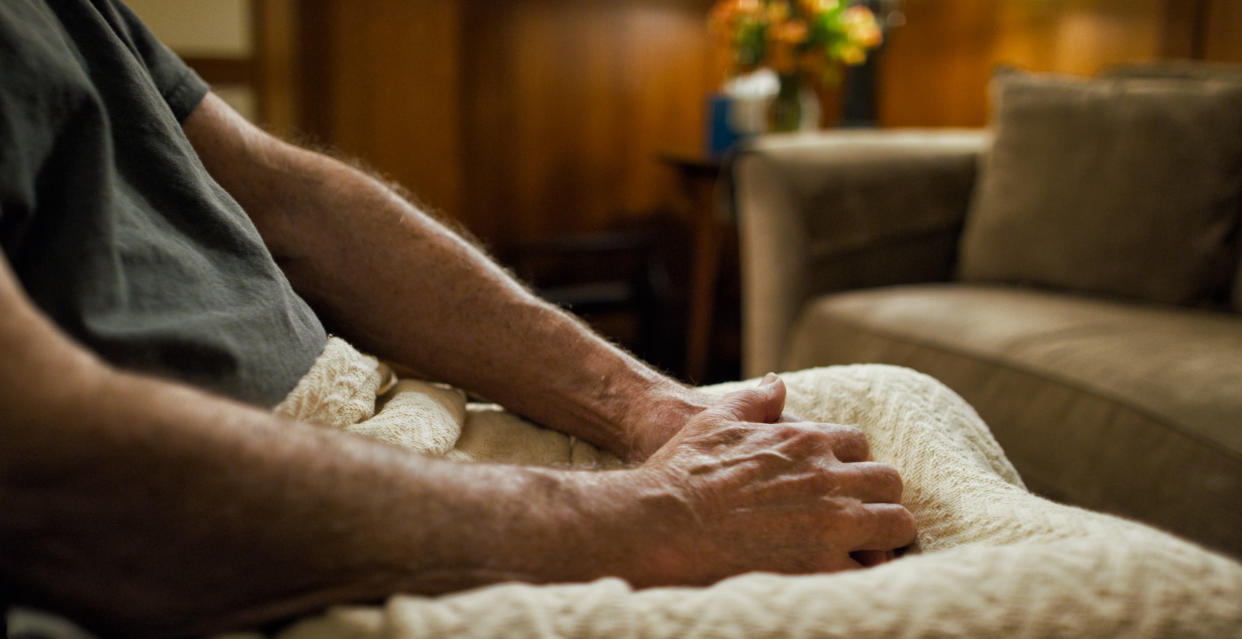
992,559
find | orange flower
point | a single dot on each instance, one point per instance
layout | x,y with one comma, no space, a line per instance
722,17
784,38
790,32
728,14
816,7
810,38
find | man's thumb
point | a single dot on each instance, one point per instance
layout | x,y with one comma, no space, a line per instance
762,403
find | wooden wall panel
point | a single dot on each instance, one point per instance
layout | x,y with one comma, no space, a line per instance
529,119
1222,33
566,105
523,120
277,43
383,85
936,67
1183,36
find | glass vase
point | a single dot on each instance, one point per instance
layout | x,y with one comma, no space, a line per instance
795,107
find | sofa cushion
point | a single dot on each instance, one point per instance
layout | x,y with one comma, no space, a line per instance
1120,407
1192,70
1124,186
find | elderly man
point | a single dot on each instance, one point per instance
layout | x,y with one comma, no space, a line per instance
170,270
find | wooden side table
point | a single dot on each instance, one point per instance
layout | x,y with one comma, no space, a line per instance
699,180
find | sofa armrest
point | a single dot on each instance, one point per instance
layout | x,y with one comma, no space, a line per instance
840,210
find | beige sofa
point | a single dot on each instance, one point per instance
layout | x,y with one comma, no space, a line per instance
849,254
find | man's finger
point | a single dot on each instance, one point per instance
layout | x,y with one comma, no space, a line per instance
846,443
870,482
849,444
869,558
834,562
888,526
761,404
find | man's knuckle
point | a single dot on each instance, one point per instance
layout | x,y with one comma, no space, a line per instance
840,508
824,480
729,433
799,440
854,435
849,429
789,432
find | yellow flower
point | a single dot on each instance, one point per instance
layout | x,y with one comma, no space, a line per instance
861,28
852,54
777,34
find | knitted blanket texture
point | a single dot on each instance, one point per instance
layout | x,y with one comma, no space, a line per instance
991,560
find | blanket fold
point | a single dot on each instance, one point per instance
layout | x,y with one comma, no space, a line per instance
991,560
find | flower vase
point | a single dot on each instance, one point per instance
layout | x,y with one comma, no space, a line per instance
795,107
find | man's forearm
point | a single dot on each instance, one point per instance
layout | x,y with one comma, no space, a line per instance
401,285
142,507
147,508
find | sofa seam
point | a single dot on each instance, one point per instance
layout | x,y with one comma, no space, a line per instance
884,241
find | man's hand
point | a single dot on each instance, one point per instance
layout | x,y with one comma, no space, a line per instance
737,491
144,508
663,411
658,414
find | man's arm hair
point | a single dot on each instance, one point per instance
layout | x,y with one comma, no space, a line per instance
399,284
142,507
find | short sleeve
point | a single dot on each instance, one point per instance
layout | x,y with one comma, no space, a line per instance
180,86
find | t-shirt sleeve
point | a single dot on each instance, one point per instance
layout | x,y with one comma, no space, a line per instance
180,86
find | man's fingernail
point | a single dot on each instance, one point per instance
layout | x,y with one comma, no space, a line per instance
768,379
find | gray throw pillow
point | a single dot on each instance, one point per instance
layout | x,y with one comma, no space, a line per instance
1120,186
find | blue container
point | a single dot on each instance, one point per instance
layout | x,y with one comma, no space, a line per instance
720,135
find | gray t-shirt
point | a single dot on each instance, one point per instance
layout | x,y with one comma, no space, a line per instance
110,221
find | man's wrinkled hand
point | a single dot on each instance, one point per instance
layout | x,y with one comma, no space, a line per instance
741,489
